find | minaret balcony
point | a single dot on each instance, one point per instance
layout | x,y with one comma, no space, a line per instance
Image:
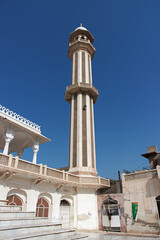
84,45
80,87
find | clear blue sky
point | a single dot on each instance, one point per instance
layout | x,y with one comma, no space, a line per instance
35,70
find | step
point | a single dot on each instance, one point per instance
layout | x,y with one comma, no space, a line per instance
3,202
8,232
11,208
11,222
46,235
17,214
77,236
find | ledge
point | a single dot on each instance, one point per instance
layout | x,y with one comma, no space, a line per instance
78,87
81,45
11,166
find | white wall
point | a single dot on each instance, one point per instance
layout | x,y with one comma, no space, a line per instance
87,212
83,203
143,188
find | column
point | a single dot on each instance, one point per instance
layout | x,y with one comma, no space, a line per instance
90,69
73,69
86,67
35,151
93,137
71,132
88,123
79,66
79,130
8,138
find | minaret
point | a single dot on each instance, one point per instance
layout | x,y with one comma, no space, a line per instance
81,94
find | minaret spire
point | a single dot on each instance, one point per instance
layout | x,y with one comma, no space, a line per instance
81,94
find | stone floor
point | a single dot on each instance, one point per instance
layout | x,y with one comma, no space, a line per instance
101,236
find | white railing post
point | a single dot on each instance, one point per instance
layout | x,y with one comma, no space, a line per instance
99,179
40,169
66,176
63,175
45,170
16,162
10,160
80,178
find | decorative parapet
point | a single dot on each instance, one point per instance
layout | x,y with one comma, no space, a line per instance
5,112
14,165
145,174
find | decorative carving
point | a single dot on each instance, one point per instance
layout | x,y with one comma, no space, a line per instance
19,118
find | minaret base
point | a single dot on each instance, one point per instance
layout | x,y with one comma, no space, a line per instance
85,171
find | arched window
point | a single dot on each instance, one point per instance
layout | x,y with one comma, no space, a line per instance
14,200
42,208
158,205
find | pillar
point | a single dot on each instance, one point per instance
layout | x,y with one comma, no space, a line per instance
35,151
8,138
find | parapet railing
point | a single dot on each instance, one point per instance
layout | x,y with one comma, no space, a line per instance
19,118
42,172
141,175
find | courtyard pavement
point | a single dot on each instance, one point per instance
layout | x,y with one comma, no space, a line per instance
103,236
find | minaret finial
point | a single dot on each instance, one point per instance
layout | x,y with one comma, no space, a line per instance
80,24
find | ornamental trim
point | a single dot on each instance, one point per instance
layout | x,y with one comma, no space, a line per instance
19,118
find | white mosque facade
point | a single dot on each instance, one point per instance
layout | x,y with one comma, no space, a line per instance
62,196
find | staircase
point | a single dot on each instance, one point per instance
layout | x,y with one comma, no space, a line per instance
16,224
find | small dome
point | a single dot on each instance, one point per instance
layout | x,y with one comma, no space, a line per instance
81,28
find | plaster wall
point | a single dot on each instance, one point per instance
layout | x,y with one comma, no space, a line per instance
144,190
87,212
30,193
83,203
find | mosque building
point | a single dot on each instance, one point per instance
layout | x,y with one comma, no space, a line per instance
56,196
40,202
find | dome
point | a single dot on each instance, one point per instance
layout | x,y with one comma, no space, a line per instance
81,28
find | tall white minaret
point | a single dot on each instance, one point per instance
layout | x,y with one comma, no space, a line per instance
81,94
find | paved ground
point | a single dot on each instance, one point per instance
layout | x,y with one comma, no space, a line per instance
100,236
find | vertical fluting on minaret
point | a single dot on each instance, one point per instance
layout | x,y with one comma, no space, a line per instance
81,95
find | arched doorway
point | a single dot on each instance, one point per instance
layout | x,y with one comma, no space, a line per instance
110,217
65,213
14,200
42,208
